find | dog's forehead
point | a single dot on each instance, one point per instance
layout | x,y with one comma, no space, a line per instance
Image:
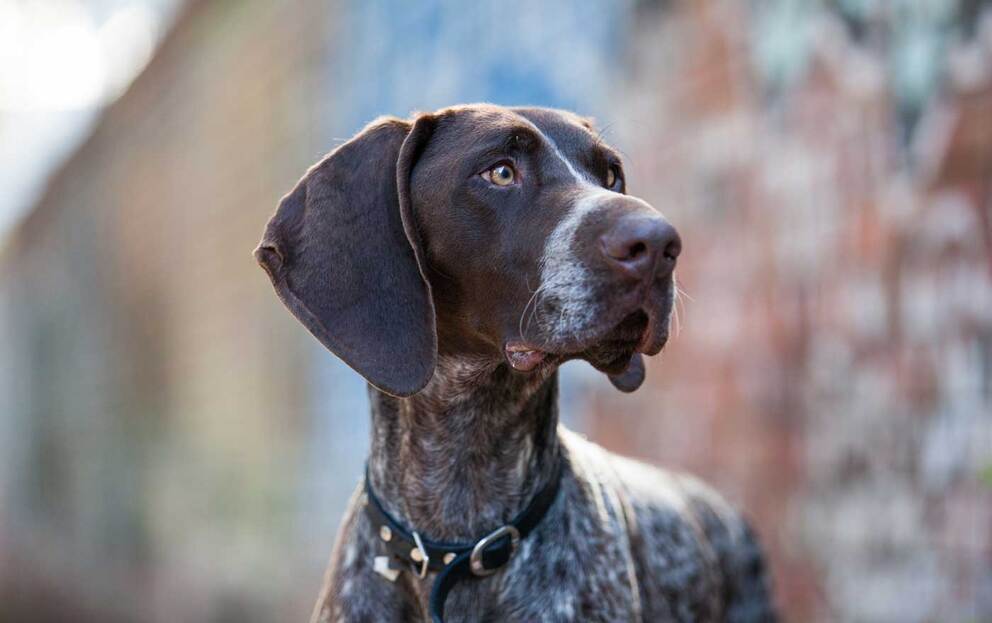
566,129
473,123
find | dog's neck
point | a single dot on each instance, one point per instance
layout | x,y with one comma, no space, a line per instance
461,457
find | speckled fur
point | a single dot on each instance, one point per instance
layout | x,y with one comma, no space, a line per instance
622,542
400,254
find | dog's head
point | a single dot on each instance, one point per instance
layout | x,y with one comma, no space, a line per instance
477,230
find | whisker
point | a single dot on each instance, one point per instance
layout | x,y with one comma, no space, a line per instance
534,298
601,133
679,307
534,311
681,291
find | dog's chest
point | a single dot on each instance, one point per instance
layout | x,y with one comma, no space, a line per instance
575,566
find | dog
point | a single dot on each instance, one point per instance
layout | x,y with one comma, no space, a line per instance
455,260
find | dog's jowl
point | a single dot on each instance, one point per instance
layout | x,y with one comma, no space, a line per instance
455,260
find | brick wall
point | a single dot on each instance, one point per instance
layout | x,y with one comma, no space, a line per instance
833,372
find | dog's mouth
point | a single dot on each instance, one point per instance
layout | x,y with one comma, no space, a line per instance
610,351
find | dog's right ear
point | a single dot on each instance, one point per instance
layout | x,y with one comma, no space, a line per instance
343,253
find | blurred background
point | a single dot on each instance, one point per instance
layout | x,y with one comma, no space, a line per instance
175,447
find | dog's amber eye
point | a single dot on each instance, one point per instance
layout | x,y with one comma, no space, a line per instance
611,177
501,175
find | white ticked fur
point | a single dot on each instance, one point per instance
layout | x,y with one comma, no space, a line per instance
568,164
564,278
461,456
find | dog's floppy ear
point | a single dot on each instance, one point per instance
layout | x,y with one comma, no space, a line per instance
344,256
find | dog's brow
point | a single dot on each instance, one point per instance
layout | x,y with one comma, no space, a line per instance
520,138
507,140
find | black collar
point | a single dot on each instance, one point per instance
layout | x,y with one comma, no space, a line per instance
454,561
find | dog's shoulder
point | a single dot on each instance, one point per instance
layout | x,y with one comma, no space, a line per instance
696,556
352,590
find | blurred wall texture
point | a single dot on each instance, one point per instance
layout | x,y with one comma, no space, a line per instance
173,446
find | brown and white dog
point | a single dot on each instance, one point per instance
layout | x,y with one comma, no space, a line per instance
455,260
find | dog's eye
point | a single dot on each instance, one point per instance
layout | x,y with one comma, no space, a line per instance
501,174
612,177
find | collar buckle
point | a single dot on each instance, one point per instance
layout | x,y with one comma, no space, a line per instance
475,560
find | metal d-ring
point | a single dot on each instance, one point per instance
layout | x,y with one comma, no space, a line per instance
475,560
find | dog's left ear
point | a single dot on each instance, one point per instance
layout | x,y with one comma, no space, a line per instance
631,378
344,255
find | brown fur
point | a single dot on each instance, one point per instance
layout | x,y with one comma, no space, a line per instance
401,256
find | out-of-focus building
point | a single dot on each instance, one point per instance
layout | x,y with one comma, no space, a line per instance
173,446
153,403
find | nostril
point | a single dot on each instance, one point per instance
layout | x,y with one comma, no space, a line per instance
623,249
672,249
670,243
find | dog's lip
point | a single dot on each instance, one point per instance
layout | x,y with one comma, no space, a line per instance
651,344
645,341
526,357
653,339
523,356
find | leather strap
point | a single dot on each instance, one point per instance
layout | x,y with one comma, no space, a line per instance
457,561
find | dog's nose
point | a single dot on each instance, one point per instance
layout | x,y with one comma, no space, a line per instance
641,247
